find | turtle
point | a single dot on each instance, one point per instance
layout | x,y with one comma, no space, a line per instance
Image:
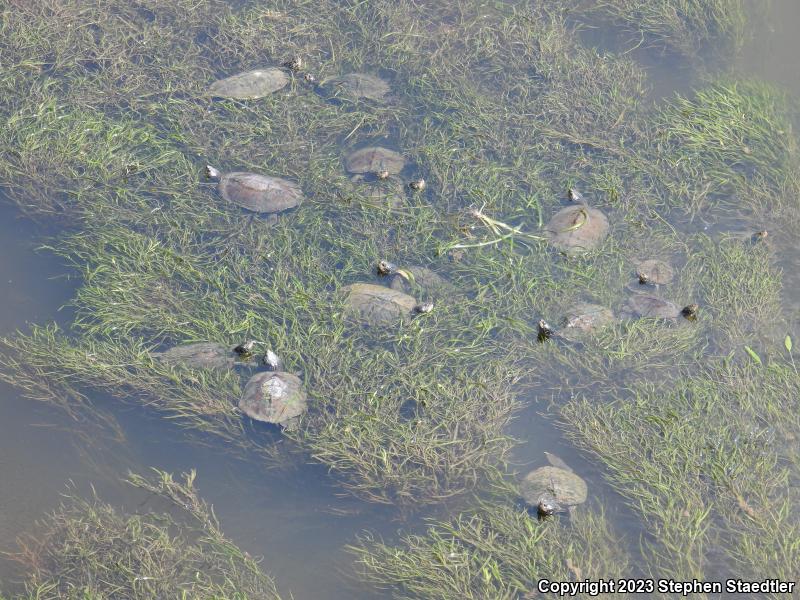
274,397
357,85
645,305
413,278
258,193
203,355
576,229
580,319
374,159
387,191
654,272
249,85
552,488
378,305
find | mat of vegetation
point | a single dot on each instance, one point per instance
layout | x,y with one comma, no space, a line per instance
88,549
109,126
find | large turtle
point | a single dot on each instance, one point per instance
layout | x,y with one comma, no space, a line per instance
577,229
249,85
357,85
203,355
378,305
580,319
274,397
374,159
552,488
259,193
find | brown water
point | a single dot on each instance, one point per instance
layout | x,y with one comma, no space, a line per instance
294,519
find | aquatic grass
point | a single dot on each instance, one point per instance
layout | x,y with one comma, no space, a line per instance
702,464
494,551
89,549
690,28
731,143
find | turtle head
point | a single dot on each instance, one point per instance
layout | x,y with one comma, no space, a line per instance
212,173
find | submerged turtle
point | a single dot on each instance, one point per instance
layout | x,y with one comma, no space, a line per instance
249,85
411,279
274,397
553,489
577,228
378,305
580,319
259,193
386,191
375,159
357,85
203,355
654,272
645,305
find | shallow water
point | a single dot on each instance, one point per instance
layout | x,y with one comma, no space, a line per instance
295,518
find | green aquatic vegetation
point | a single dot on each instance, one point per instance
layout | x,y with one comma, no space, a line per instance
89,549
739,287
496,551
731,143
687,27
704,464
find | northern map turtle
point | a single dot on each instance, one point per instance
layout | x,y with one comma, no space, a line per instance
378,305
357,85
553,489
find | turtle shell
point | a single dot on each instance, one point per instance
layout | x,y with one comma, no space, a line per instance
260,193
389,192
377,305
204,355
644,305
584,317
273,397
577,229
249,85
358,85
423,279
373,159
562,485
656,271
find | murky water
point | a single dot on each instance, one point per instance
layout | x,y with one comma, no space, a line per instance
295,519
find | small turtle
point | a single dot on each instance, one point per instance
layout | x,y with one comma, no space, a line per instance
553,489
202,355
417,185
577,229
374,159
413,278
259,193
274,397
378,305
357,85
654,272
249,85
